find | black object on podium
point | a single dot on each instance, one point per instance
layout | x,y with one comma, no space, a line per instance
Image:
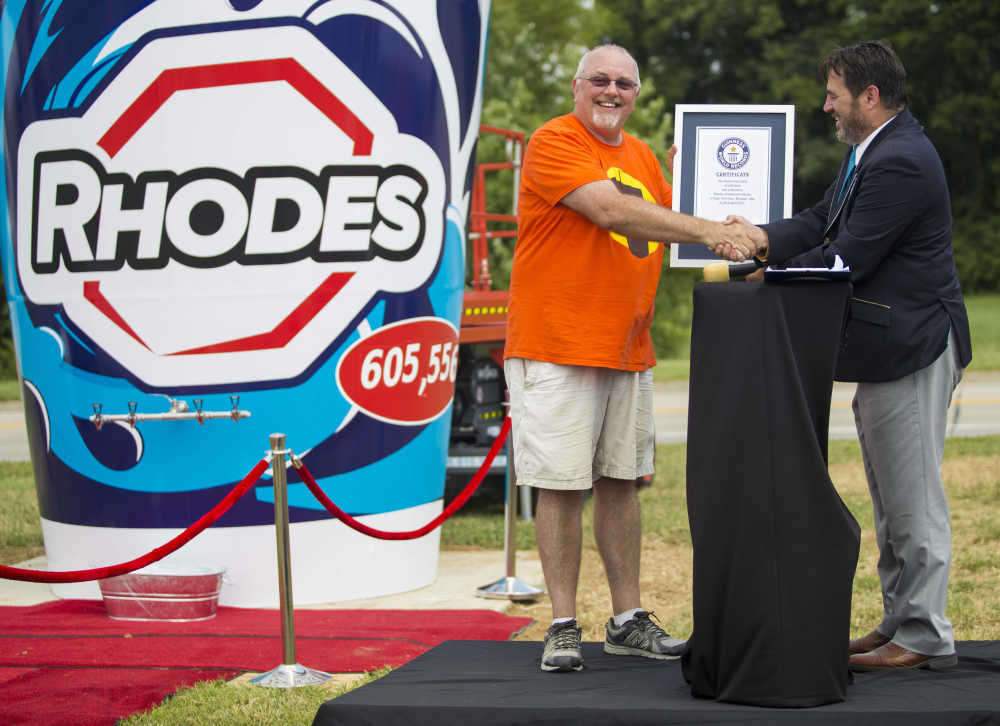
775,548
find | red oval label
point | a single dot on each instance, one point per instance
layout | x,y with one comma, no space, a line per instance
403,372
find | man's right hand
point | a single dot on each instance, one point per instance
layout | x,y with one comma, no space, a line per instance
741,240
733,242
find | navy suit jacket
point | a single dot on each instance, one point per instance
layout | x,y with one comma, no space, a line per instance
892,226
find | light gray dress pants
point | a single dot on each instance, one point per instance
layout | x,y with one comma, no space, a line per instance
901,426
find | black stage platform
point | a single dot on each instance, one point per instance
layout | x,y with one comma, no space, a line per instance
487,683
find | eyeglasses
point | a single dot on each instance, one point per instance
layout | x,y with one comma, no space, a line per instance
623,84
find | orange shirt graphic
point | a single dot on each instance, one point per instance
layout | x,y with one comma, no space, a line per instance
579,294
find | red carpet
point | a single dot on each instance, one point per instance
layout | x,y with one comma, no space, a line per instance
66,662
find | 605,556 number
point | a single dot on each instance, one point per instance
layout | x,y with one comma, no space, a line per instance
402,365
403,372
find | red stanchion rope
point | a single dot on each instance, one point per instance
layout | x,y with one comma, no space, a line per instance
16,573
413,534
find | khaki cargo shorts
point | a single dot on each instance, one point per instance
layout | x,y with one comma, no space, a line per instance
573,425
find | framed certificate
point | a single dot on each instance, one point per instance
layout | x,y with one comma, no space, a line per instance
731,159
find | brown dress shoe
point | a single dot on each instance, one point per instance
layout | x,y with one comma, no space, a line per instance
868,642
891,655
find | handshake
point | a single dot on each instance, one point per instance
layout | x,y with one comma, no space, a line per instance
737,239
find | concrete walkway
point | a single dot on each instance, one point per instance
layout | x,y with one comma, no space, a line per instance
460,573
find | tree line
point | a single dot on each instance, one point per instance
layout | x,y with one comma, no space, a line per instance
753,51
767,52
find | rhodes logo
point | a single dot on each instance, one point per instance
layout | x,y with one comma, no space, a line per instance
225,208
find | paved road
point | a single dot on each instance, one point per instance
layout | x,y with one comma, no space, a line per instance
975,411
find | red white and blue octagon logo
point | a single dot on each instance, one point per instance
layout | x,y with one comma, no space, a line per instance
225,208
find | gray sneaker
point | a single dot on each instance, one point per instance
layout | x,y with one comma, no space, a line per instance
562,648
641,636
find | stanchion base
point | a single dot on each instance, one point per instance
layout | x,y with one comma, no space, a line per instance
509,588
290,676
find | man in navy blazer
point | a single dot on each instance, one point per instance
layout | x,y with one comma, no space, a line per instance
905,342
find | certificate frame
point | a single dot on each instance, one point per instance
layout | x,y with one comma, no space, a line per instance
766,193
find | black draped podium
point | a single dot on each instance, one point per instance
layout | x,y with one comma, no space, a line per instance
775,549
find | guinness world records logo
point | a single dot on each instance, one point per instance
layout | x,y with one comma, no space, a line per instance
733,153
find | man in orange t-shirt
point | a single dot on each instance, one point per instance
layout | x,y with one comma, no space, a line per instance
593,220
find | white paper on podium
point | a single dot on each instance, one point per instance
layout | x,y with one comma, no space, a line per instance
838,271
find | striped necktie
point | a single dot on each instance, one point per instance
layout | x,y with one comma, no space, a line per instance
847,174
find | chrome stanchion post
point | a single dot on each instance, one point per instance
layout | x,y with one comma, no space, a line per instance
289,673
510,587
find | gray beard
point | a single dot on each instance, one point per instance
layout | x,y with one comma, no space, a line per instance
850,132
605,118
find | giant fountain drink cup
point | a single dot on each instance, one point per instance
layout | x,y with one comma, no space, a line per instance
239,203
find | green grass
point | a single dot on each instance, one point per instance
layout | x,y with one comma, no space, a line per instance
223,704
971,473
481,528
20,528
672,369
10,390
984,318
972,480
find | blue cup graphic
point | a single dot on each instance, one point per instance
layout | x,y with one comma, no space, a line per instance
243,206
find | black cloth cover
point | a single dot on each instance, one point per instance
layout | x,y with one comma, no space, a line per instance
775,548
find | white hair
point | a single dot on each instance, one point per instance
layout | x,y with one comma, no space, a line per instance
606,46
